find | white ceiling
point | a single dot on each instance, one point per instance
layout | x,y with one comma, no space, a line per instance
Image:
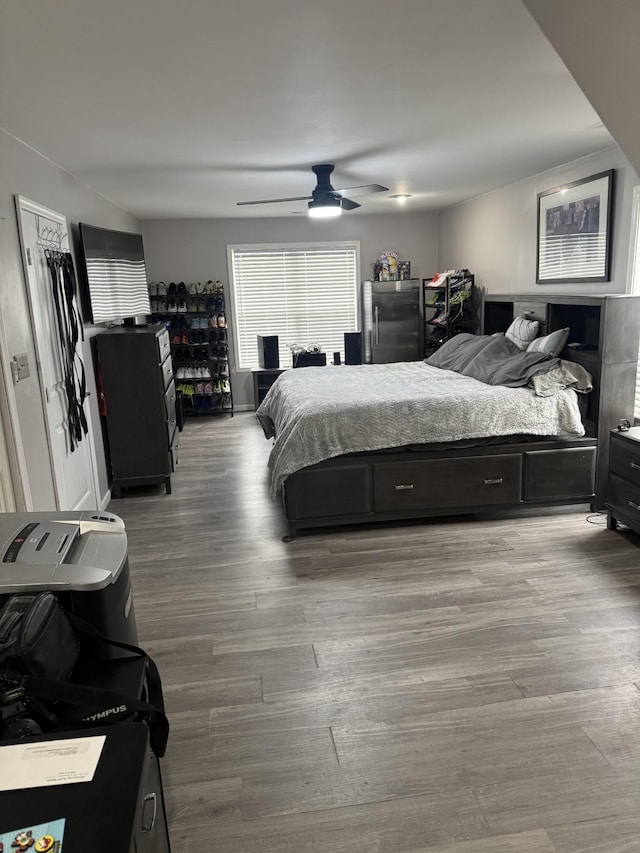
182,109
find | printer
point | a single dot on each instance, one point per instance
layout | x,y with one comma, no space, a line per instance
82,558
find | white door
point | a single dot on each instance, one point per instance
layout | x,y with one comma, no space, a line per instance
7,503
73,470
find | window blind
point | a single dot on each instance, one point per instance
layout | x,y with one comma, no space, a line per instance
303,294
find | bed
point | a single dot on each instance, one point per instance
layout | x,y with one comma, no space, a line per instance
479,424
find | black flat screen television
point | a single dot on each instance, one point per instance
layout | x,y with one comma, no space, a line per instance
116,274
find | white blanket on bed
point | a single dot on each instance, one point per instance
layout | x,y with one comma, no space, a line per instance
316,413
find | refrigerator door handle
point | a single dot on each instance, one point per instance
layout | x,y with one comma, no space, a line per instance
376,320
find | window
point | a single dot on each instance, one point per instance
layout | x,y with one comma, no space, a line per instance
301,293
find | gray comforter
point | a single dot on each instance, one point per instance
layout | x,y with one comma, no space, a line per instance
317,413
493,359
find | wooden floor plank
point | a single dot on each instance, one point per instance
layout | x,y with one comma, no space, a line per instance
556,799
613,834
522,842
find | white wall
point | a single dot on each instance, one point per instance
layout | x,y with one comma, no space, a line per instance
26,173
494,235
196,250
598,42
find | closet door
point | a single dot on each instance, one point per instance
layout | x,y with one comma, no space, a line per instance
72,470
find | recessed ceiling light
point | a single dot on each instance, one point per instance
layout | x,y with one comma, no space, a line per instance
401,197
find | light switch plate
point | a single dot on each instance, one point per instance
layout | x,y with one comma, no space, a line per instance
20,367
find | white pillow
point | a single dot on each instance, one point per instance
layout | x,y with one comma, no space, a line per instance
522,332
552,344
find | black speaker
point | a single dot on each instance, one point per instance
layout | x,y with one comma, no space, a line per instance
268,355
353,347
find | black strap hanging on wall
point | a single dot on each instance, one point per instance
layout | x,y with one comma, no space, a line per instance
70,331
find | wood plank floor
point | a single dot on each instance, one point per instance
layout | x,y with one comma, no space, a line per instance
451,685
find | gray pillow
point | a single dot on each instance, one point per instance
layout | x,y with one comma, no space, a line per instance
552,344
522,332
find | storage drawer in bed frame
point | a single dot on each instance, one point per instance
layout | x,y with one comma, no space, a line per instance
324,491
440,483
420,484
577,466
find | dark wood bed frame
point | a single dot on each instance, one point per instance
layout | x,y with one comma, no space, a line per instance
372,487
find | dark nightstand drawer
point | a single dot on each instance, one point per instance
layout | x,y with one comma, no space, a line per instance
439,483
624,458
624,496
623,504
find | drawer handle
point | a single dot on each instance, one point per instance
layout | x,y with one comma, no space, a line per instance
402,487
149,798
492,482
635,465
634,506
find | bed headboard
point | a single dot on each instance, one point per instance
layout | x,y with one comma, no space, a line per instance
606,330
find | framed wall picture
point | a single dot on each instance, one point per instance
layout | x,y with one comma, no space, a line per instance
574,231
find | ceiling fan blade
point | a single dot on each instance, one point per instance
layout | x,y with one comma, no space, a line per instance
274,200
347,204
369,188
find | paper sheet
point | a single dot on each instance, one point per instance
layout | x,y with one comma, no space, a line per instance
55,762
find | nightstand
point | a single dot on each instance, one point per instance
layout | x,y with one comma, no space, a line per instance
263,379
624,479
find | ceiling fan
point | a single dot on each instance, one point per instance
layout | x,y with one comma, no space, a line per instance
324,201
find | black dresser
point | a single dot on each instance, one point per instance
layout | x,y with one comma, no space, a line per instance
140,397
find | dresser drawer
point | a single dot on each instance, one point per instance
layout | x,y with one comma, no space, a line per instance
440,483
167,371
624,459
172,429
164,345
170,403
174,445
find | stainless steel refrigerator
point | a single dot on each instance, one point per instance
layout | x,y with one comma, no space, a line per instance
393,321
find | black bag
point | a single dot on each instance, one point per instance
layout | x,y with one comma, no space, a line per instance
36,639
39,647
79,706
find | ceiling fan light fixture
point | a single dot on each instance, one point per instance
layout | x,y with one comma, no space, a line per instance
325,208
